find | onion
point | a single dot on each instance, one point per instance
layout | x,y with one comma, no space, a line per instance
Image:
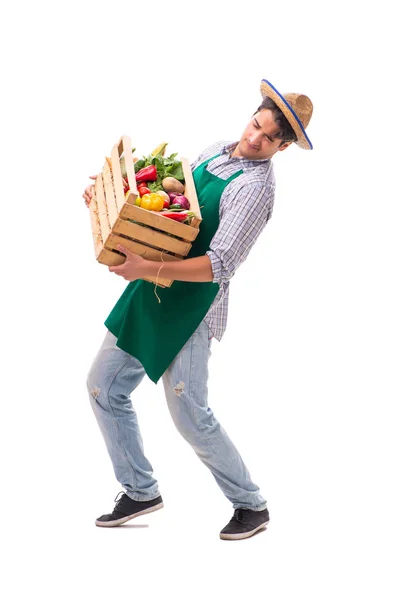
182,201
173,195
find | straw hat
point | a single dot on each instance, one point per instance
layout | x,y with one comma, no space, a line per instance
297,108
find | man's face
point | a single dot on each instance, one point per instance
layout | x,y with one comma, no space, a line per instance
259,139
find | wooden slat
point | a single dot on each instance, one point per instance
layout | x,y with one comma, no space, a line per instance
190,193
102,208
109,193
95,223
152,238
110,258
117,177
127,147
148,253
156,220
131,198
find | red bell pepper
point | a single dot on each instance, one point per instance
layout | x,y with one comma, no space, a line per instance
147,174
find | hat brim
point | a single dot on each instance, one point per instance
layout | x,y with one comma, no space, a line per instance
267,89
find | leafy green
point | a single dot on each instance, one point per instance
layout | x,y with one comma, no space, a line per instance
155,186
176,171
139,164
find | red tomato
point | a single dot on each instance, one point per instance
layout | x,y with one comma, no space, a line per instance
143,190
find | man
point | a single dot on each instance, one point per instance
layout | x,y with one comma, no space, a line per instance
171,339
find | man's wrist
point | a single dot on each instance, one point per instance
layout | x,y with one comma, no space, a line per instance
150,268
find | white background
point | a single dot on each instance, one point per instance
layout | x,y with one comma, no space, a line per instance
306,378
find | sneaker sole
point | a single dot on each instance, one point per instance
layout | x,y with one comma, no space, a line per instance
129,517
242,536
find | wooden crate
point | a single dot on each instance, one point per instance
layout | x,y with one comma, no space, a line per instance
111,215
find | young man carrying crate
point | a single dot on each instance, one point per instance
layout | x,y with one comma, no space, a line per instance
171,339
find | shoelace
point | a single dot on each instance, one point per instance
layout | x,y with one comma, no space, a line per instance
240,515
118,497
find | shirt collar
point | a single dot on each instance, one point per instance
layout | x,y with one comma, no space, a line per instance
228,148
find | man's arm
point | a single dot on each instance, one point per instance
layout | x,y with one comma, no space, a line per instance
136,267
190,269
245,214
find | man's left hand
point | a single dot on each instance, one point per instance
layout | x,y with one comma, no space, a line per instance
132,268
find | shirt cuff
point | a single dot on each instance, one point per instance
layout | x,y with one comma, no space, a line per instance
216,267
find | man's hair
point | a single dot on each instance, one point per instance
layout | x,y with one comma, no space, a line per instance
286,133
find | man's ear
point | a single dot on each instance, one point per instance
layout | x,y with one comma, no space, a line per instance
284,146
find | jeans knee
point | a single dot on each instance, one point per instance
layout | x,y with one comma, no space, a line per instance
93,385
95,392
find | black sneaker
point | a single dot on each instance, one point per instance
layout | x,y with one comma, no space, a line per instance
126,509
244,524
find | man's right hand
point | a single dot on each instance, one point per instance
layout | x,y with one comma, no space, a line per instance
88,193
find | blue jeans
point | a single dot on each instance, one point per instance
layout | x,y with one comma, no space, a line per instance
115,374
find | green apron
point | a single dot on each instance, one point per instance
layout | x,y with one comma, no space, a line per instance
155,332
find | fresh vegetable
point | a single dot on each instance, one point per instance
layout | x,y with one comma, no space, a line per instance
166,167
176,216
141,185
165,196
151,202
182,215
181,201
144,190
170,184
147,174
172,196
160,149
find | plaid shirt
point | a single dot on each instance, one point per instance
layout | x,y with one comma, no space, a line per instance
245,208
